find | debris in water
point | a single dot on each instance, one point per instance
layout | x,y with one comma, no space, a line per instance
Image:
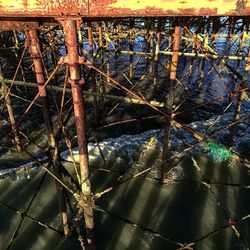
218,152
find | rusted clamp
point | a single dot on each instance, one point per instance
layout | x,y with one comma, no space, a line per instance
71,60
63,20
76,82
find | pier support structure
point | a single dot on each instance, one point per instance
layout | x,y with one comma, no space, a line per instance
170,99
6,96
70,29
163,51
36,55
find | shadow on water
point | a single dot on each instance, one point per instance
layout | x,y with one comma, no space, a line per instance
178,213
122,199
183,211
31,235
233,204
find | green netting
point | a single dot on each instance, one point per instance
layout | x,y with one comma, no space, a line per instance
218,152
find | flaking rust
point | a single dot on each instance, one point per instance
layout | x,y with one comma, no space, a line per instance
119,8
189,7
62,6
37,8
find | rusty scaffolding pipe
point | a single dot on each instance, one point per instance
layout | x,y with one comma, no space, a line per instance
38,69
36,56
70,28
6,96
166,133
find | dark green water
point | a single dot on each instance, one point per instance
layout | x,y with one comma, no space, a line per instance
141,212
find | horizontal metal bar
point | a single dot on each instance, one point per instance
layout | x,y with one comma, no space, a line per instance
87,93
169,53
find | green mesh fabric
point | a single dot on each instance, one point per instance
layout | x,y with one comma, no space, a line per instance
218,152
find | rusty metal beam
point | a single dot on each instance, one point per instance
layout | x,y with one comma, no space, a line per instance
166,165
86,203
36,55
122,8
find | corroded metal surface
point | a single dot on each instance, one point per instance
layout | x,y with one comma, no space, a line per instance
70,28
120,8
9,25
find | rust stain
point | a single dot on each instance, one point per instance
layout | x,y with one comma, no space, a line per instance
9,25
120,8
43,7
164,5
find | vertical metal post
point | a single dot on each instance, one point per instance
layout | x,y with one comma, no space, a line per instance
131,49
70,28
151,46
190,70
115,29
215,29
38,69
93,75
157,52
100,44
242,42
17,55
90,40
239,100
173,72
230,27
10,111
35,53
107,50
176,47
185,58
170,41
202,63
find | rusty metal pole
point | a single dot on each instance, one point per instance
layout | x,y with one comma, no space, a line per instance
157,53
190,70
38,69
93,75
166,134
17,55
240,97
186,46
107,41
70,28
150,48
90,40
169,41
35,53
10,111
202,63
242,42
100,44
131,48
